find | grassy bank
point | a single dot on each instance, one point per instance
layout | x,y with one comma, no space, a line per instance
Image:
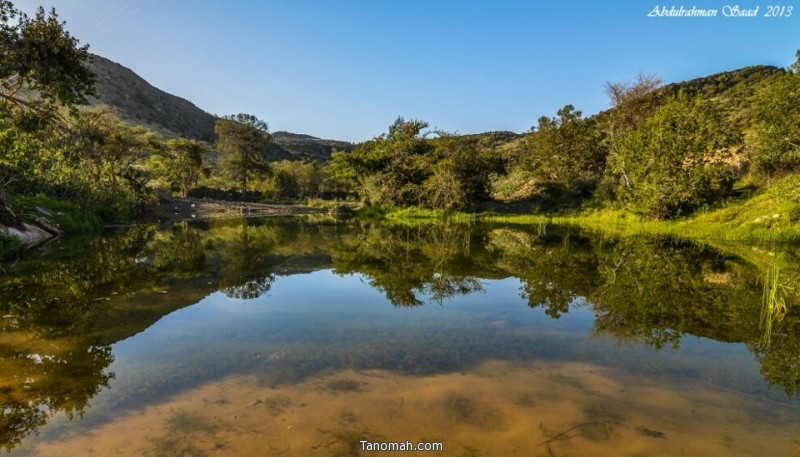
9,246
40,210
67,216
769,216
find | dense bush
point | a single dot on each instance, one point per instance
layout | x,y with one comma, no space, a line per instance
674,162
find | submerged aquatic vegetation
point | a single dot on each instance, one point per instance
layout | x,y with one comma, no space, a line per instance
343,385
185,434
347,442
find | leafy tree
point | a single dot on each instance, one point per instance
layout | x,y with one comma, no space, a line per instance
109,146
460,174
674,162
39,54
292,179
390,168
243,140
180,163
777,148
282,183
565,151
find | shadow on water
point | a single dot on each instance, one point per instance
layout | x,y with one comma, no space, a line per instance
62,311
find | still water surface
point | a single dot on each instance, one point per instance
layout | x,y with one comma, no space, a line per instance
294,337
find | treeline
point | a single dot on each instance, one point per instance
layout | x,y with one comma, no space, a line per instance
659,151
53,146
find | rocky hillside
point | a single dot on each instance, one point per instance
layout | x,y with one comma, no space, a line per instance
294,146
140,103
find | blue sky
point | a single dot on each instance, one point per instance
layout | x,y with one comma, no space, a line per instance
346,69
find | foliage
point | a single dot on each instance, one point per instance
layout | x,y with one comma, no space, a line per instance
565,152
40,55
294,180
462,169
404,168
109,154
242,140
391,168
674,163
9,246
92,160
68,216
767,217
777,146
180,163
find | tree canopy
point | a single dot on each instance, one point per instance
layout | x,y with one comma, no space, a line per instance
38,54
565,151
242,140
672,164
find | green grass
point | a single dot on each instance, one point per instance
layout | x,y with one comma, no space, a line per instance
69,217
415,215
9,246
770,216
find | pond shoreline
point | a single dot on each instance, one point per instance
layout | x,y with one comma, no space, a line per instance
190,208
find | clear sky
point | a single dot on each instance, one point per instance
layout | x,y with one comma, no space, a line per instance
345,69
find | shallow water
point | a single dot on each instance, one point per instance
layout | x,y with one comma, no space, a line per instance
291,337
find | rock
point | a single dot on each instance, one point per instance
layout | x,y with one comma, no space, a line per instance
48,226
28,235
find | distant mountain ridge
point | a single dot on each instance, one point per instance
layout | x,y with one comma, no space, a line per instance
140,103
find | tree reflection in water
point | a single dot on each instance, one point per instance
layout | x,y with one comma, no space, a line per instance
63,310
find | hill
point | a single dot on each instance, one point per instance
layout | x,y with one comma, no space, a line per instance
140,103
733,92
294,146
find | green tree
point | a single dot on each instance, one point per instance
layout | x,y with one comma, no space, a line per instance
180,163
674,162
281,184
777,146
460,173
35,54
39,54
566,151
292,179
243,140
390,168
109,146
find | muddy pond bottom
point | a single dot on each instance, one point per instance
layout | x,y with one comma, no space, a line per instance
496,409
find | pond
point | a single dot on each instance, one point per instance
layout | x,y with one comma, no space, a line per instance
291,336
